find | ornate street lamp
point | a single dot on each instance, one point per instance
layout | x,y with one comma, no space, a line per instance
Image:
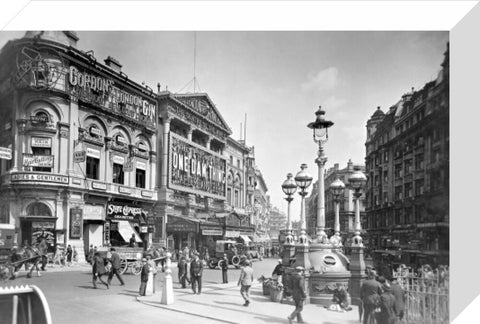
289,188
357,182
338,188
320,135
303,181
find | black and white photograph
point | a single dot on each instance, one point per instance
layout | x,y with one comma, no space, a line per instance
225,176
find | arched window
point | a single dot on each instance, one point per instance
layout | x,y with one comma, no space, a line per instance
38,209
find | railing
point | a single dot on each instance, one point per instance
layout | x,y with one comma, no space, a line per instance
426,296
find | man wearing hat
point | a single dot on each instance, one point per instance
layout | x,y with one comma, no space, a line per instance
245,280
196,271
387,313
399,295
298,294
370,292
116,267
182,270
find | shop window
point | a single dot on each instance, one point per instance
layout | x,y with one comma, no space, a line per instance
118,174
4,214
140,177
41,151
93,168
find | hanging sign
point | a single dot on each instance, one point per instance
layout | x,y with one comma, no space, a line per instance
79,156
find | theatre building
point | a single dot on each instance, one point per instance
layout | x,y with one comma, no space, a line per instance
83,143
201,196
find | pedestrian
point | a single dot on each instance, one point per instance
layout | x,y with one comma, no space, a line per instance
370,292
116,267
98,269
224,265
133,241
90,254
278,271
245,281
69,255
298,294
182,270
144,277
75,255
163,255
387,313
153,267
196,271
399,295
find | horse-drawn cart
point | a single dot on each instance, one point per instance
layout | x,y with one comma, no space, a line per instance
130,258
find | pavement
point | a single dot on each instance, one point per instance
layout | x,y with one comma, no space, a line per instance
223,303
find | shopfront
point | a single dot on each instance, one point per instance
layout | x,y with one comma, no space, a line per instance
123,222
237,227
39,223
184,231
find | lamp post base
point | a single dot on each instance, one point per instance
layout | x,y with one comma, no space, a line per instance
357,268
301,257
288,254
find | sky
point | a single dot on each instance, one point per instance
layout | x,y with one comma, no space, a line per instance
279,79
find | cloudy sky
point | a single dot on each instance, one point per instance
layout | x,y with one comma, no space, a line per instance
279,79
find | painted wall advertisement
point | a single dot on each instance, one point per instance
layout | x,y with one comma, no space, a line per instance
193,169
30,160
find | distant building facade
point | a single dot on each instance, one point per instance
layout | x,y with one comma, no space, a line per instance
407,165
347,204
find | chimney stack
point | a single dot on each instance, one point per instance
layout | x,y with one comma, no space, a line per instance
113,64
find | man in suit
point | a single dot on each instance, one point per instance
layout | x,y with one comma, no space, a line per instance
116,267
224,265
196,271
298,294
370,292
399,295
182,271
245,280
98,269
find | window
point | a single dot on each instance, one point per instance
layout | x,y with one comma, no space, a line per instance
4,214
408,190
419,187
238,163
237,202
231,160
93,168
398,193
229,196
398,171
385,156
140,177
385,176
385,197
419,162
408,166
118,174
42,151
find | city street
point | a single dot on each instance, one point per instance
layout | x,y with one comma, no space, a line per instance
73,300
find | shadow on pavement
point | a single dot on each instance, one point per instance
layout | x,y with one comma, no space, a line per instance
85,287
239,304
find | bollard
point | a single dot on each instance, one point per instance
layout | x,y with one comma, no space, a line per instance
167,291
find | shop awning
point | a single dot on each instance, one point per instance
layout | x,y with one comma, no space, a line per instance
245,238
126,230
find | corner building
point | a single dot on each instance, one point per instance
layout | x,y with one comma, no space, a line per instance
407,166
83,140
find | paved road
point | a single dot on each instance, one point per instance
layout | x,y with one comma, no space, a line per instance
72,299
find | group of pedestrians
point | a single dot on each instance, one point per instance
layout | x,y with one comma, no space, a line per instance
190,271
381,300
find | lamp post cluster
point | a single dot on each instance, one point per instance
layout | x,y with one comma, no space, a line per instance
303,180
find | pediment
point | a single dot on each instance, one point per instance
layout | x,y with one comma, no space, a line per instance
203,105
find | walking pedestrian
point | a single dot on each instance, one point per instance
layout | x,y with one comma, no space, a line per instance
75,255
298,294
182,270
69,255
387,313
245,281
399,295
116,267
98,269
196,271
370,292
224,265
144,277
90,254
